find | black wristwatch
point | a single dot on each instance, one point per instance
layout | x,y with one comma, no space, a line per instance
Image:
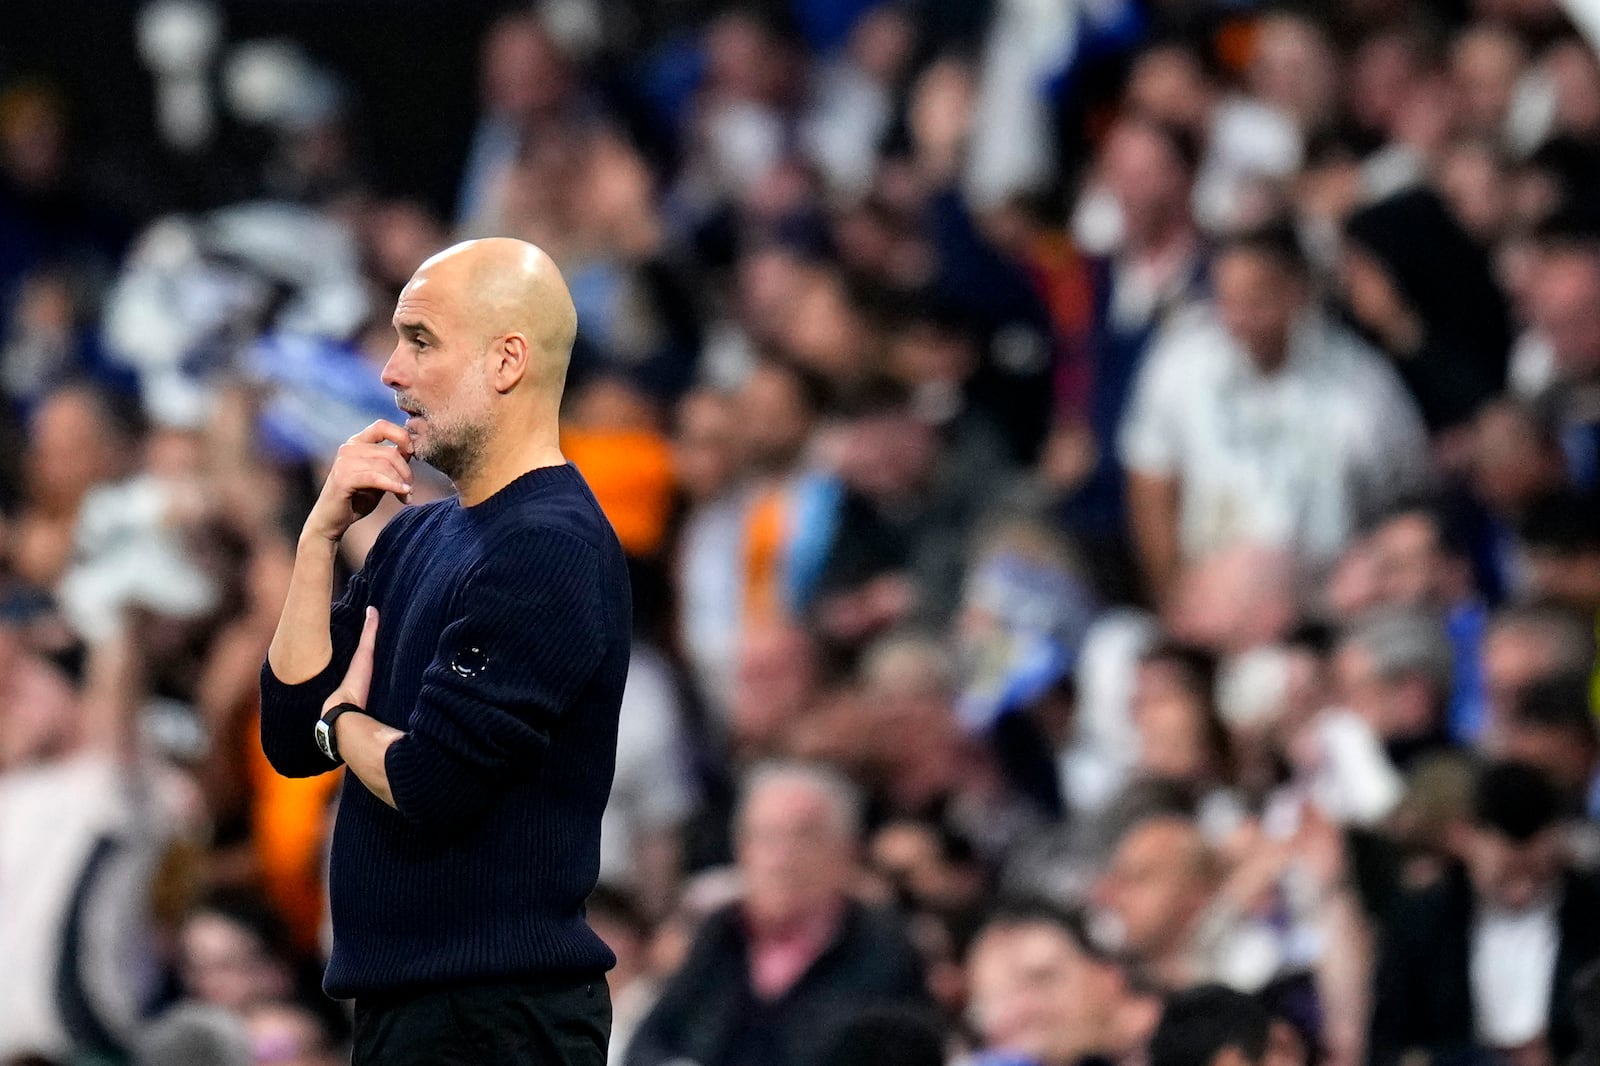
324,729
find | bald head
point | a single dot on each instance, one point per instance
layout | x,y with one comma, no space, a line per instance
485,329
508,286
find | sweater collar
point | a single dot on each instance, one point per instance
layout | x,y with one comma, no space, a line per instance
539,479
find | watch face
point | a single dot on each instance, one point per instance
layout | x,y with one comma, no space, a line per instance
323,741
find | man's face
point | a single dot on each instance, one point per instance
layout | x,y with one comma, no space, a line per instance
1258,300
1411,567
1033,992
1513,658
795,857
225,965
773,418
439,373
1566,310
1513,875
1145,177
705,447
1157,886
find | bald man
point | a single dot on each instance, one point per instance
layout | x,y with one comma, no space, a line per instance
469,679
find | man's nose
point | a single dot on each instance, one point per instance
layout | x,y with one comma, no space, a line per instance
391,375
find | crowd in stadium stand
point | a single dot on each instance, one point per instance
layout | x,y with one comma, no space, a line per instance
1111,491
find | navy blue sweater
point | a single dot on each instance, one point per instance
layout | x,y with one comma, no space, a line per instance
502,650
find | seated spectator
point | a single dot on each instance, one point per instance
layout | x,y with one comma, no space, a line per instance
1159,889
1515,461
1483,961
1261,421
773,978
1418,562
1395,671
1041,992
232,954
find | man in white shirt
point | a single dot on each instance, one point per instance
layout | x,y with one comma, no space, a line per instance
1257,419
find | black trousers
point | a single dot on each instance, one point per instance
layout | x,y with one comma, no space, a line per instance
512,1023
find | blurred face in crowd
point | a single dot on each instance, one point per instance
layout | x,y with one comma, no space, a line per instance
224,964
795,851
38,709
1169,84
1511,874
773,687
1259,300
1473,180
1575,75
1295,69
399,235
1034,992
1395,707
774,417
1515,655
888,455
1381,72
1171,723
1148,180
911,856
825,332
1371,294
705,448
1512,462
71,448
1485,63
1566,311
1409,565
282,1034
523,70
1159,884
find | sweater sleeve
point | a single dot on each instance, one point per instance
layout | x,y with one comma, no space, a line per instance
527,635
289,713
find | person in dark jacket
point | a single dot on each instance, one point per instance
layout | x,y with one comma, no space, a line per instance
1482,962
1426,293
775,979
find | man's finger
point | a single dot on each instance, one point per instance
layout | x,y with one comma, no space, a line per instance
376,475
358,679
384,430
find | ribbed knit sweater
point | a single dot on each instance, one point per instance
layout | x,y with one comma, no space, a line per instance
502,649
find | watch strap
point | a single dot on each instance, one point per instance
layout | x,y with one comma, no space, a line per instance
326,739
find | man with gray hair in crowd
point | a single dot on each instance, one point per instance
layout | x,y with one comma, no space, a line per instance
772,977
1395,670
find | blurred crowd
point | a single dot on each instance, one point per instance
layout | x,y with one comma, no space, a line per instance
1110,488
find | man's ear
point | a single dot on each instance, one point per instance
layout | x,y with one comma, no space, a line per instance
511,355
